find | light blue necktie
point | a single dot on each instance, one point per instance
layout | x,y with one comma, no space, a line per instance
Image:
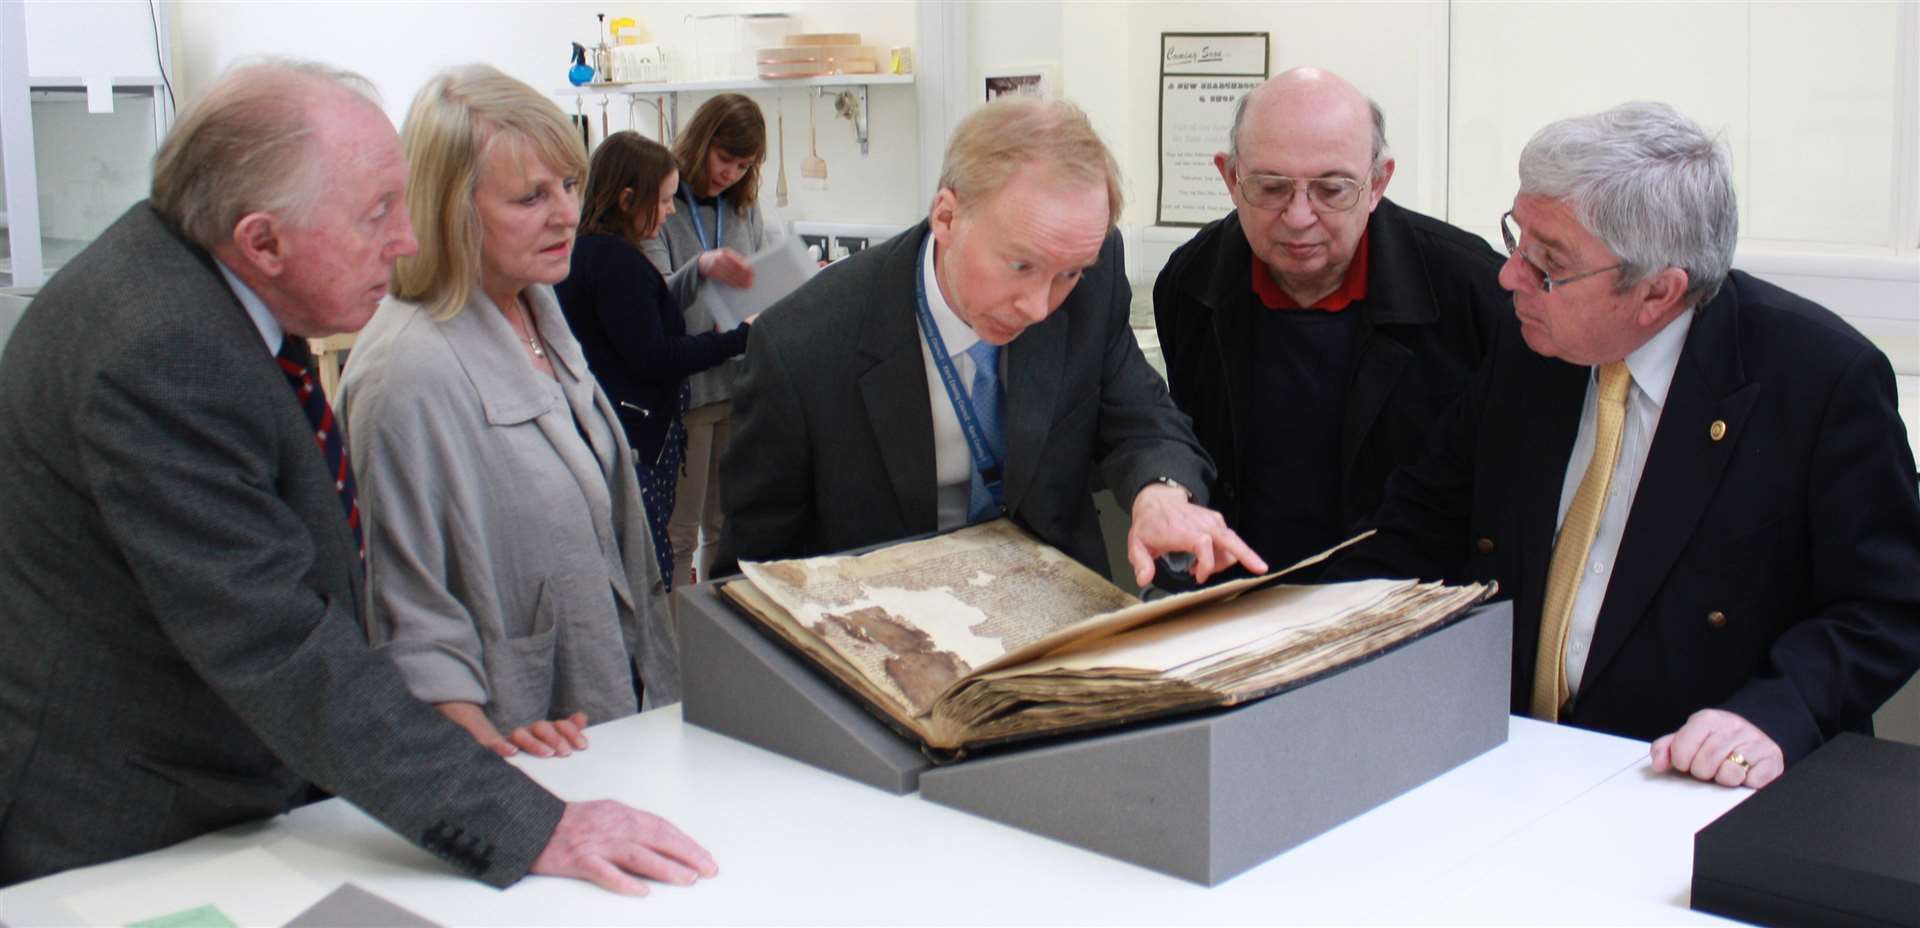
983,502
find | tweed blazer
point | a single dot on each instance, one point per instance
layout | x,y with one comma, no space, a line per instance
509,562
180,644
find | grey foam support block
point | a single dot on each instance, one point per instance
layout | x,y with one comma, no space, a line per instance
1210,797
736,681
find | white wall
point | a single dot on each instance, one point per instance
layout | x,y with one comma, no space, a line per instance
398,45
1818,99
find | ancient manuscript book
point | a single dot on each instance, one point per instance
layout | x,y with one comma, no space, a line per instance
985,634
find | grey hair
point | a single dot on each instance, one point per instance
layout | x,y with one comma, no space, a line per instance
1649,183
246,147
1380,150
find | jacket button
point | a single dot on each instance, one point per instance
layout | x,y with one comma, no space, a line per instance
1484,546
1717,619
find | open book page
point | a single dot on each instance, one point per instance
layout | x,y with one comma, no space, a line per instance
1207,637
774,617
915,618
1135,614
1220,654
777,271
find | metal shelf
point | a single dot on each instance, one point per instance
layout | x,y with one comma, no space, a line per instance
857,84
657,88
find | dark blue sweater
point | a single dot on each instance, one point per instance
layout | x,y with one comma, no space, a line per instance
630,328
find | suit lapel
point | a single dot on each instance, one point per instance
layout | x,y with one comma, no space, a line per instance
893,385
1682,472
1035,362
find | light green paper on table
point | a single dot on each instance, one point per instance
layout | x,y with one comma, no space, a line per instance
205,916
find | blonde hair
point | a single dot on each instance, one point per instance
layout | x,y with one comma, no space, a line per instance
998,139
247,147
452,126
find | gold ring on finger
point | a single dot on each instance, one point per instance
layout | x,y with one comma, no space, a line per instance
1737,759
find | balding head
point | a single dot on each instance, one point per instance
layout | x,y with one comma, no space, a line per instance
249,146
1307,166
1312,96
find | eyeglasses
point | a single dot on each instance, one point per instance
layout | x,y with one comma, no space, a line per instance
1324,194
1512,238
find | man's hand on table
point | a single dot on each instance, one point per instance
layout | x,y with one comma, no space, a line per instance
1711,746
611,844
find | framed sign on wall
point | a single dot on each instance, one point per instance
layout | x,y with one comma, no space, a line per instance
1202,76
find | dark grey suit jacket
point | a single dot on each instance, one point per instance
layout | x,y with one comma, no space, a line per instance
180,644
832,444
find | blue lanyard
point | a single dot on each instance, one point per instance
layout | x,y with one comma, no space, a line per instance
983,459
699,228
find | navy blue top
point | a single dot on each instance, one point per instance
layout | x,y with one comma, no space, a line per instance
630,328
1292,433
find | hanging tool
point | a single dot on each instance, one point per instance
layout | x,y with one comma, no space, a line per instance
813,168
780,113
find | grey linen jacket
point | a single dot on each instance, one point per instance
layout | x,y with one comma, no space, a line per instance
180,644
673,251
508,560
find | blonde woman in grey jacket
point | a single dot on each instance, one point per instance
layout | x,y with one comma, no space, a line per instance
510,570
717,220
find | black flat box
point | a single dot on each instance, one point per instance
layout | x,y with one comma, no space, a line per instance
1834,841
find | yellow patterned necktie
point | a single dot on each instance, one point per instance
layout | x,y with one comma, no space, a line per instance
1576,539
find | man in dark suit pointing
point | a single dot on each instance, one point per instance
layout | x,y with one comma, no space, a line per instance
978,363
1695,486
180,643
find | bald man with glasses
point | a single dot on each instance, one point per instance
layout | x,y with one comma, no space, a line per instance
1695,486
1315,333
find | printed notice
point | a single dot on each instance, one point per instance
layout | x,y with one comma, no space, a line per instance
1202,77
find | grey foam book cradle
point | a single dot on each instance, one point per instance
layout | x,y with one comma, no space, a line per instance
1202,797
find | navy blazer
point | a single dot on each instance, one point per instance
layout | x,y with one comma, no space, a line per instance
631,329
1773,572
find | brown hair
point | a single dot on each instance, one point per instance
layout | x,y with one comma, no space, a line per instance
733,124
248,147
996,140
625,161
454,121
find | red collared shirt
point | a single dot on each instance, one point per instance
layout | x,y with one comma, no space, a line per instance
1354,287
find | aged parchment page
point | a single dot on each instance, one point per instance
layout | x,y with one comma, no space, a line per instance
916,617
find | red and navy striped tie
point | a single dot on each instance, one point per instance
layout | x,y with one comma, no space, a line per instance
296,363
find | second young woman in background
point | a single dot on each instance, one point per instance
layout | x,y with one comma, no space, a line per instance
718,220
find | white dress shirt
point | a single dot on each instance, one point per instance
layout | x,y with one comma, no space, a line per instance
256,310
952,459
1651,367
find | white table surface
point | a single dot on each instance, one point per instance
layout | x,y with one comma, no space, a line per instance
1556,826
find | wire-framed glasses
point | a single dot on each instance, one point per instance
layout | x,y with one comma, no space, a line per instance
1276,191
1511,235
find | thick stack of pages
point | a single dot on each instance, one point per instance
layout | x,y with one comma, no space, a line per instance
985,634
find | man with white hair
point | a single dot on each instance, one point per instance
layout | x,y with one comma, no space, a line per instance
1695,486
180,560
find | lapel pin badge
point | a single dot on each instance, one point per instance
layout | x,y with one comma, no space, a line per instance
1717,430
